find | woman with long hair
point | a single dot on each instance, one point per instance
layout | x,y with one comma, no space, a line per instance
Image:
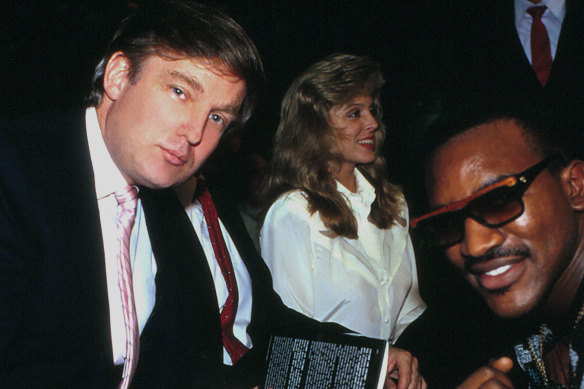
335,231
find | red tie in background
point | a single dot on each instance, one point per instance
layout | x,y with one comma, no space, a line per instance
541,57
233,346
127,200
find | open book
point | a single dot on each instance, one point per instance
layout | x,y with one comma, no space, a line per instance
321,361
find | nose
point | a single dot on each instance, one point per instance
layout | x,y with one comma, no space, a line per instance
478,239
372,123
195,127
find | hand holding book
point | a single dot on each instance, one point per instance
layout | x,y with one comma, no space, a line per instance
339,361
402,371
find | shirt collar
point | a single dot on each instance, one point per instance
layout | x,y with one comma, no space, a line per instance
108,178
365,190
556,7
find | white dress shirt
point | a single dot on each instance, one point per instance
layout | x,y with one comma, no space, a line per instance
369,284
108,180
552,19
243,314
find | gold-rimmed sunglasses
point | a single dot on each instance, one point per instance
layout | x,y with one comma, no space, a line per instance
492,206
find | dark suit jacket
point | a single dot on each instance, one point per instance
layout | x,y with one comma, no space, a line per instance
54,315
184,264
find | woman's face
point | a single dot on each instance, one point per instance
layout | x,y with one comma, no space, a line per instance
356,126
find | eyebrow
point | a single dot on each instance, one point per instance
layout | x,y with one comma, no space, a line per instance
351,105
229,108
347,107
191,81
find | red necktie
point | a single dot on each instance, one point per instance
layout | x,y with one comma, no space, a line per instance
541,57
127,200
233,346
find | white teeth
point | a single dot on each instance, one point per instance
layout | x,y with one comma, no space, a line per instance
499,270
366,141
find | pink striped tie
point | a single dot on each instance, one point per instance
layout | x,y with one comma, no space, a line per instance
127,200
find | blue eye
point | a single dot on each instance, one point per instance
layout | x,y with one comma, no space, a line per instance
178,91
217,119
354,114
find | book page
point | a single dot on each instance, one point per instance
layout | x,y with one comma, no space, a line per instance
324,361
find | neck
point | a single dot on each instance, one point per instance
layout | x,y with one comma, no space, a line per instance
101,111
346,176
564,300
185,191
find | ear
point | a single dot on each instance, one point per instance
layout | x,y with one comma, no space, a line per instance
573,179
116,75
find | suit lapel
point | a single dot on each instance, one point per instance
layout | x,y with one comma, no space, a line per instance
67,183
515,54
186,310
569,47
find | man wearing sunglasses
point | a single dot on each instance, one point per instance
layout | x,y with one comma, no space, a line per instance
506,193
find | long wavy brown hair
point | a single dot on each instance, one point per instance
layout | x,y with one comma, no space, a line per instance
306,149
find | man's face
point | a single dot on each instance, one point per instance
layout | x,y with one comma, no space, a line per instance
162,126
514,266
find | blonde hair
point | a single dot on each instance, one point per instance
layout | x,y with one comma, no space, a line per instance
306,145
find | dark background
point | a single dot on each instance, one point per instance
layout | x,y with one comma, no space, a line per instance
49,50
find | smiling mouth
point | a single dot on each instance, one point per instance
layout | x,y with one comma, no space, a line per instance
496,278
498,271
367,143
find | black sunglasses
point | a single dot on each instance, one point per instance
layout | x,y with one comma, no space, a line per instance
492,206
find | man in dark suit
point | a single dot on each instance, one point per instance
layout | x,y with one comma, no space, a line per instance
498,52
98,294
176,76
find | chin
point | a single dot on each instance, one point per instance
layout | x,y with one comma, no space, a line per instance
510,308
508,313
166,178
367,161
161,182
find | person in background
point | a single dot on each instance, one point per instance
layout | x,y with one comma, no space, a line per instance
530,46
251,170
335,233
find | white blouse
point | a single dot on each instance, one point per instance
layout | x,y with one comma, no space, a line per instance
369,284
